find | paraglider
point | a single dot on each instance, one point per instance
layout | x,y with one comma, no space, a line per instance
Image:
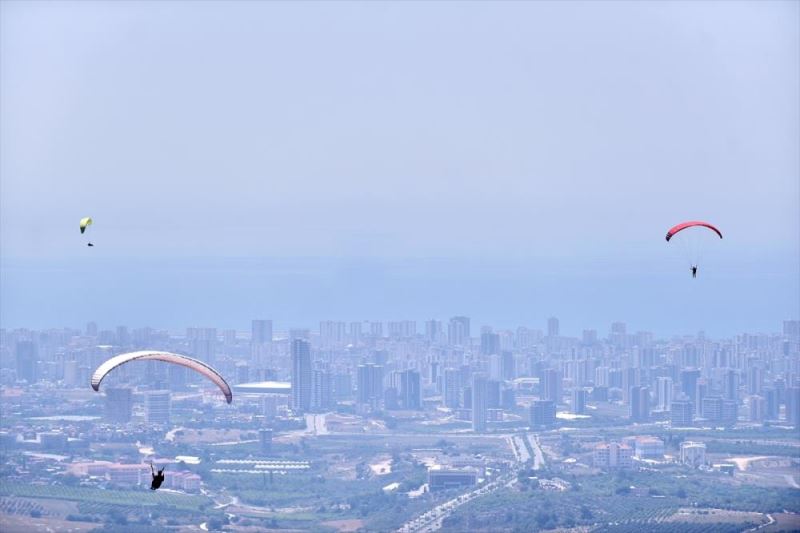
85,223
158,479
693,236
167,357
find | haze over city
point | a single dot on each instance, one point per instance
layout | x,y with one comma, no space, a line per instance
509,161
352,267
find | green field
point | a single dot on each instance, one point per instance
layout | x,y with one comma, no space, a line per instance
127,498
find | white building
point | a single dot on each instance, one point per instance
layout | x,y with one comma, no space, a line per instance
649,448
157,407
664,393
613,455
693,453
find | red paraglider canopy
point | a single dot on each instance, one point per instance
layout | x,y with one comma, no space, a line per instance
683,225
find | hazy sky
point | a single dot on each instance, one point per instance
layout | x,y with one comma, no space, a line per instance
398,160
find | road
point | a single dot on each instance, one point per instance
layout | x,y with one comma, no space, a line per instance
432,520
538,456
519,449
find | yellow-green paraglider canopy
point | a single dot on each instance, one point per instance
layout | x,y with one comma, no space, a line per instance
86,221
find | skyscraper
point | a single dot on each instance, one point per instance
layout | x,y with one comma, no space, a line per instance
793,406
261,332
409,390
157,407
321,390
552,327
639,404
508,370
756,406
490,343
731,385
689,379
26,361
458,331
664,393
451,387
479,392
370,385
700,394
118,404
543,413
550,384
681,413
433,330
579,401
202,343
301,376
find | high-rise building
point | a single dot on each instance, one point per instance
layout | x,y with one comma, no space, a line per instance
771,407
719,410
299,333
404,329
433,330
756,406
479,407
589,337
508,399
331,331
261,332
355,332
242,373
458,333
490,343
550,382
71,375
157,407
508,369
664,393
619,335
681,413
493,387
202,343
321,390
91,329
793,406
118,405
755,379
552,327
631,377
343,386
639,404
451,388
370,385
579,401
409,393
301,376
700,394
543,413
731,385
689,379
27,363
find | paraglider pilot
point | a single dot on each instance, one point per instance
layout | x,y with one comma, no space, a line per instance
694,271
158,479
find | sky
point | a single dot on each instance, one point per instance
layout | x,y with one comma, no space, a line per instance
307,161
